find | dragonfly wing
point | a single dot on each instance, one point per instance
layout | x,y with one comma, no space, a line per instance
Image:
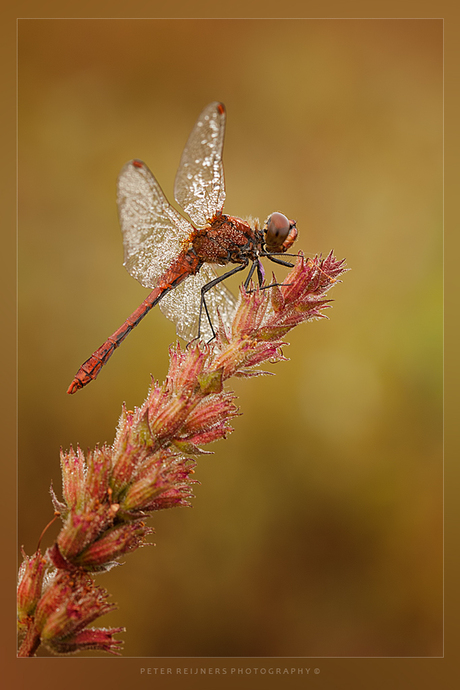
182,305
153,231
199,187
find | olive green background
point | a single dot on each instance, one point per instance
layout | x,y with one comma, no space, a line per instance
317,528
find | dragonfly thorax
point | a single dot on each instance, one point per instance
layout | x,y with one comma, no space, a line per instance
228,239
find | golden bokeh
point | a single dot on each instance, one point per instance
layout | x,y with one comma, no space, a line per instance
317,528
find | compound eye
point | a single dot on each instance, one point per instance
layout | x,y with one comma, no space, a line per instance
276,229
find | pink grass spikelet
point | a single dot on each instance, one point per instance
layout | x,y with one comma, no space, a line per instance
30,585
109,492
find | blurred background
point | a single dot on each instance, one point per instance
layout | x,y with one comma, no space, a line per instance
317,527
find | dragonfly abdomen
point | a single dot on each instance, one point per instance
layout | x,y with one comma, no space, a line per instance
185,265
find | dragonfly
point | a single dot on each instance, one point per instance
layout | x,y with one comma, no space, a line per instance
176,258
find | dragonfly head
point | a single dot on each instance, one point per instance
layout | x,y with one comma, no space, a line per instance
280,232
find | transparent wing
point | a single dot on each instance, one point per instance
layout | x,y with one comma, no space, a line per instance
199,187
182,305
153,231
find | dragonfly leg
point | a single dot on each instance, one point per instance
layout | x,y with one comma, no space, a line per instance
261,276
268,254
210,285
251,271
279,261
266,287
286,263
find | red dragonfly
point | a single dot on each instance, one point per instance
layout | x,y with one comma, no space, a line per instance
164,251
